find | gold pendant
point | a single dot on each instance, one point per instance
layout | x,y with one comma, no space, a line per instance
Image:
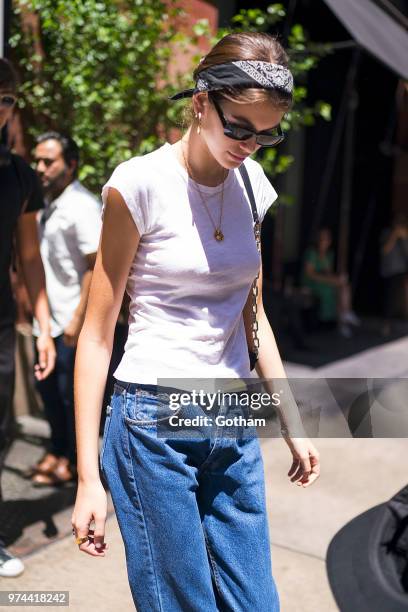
218,235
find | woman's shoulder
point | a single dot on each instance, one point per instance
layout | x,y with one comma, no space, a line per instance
264,192
254,168
135,180
259,180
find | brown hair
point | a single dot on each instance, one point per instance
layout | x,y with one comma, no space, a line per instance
8,76
248,46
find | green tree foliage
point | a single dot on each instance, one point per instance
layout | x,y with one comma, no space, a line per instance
98,78
101,73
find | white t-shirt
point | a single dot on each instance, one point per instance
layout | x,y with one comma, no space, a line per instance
186,289
71,230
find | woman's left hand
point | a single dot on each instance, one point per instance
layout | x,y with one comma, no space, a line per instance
305,468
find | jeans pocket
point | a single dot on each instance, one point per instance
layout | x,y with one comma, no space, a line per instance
147,408
105,435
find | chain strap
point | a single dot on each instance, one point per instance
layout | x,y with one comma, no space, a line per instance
254,289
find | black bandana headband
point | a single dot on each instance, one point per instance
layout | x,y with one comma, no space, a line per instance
243,73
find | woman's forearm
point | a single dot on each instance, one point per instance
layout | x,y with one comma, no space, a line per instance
270,369
91,368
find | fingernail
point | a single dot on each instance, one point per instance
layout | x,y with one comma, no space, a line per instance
98,545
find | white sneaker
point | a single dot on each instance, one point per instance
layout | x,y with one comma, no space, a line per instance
10,566
351,317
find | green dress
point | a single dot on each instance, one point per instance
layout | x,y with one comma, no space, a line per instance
327,294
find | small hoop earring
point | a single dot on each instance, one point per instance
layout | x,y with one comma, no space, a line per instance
199,124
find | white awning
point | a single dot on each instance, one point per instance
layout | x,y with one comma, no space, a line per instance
374,30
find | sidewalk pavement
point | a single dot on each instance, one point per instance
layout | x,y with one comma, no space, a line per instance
356,475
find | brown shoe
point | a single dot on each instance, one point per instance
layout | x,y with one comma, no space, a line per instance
45,465
61,474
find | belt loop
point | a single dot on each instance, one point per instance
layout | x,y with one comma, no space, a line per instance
123,385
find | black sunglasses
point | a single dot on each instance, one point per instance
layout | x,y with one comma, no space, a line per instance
238,132
7,101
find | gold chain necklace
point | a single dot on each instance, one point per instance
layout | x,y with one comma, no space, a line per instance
213,194
218,235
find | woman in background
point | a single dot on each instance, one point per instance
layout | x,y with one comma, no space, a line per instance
332,290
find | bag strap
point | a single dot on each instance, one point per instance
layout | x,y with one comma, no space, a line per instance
257,232
247,182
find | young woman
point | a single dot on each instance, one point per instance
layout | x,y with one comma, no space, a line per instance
178,235
332,290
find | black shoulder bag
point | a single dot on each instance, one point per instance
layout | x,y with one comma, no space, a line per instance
253,353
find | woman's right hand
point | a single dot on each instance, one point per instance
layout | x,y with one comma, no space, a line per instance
91,505
305,468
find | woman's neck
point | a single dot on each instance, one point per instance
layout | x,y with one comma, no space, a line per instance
195,156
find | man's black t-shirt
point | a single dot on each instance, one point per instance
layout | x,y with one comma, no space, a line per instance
20,192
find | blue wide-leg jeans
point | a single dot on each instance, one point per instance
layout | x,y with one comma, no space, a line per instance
191,510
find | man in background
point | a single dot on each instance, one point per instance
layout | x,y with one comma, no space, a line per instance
69,230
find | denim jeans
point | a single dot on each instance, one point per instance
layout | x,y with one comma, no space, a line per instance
191,511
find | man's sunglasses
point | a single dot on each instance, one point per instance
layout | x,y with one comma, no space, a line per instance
7,101
237,132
